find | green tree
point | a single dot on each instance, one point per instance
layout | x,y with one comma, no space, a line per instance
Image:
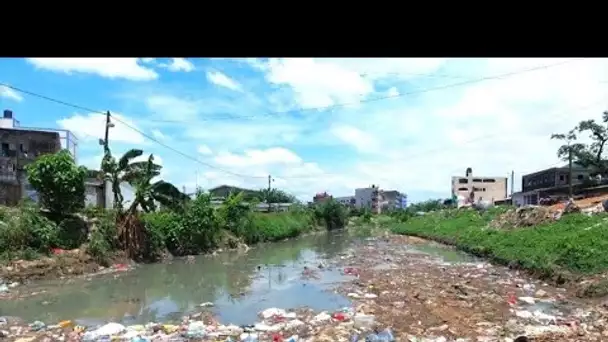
147,193
587,155
275,196
59,182
114,172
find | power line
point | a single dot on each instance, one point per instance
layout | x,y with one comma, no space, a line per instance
68,104
76,106
559,115
387,97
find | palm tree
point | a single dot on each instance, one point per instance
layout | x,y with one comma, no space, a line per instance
147,193
116,172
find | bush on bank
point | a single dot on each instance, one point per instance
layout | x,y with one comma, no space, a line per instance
577,243
198,227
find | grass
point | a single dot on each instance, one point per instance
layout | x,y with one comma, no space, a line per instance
577,244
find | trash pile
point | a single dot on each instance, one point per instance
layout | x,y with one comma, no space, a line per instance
276,325
525,217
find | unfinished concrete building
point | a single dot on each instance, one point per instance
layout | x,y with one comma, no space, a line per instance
477,188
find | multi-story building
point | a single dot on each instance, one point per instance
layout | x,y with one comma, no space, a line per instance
538,184
476,188
369,198
393,199
20,146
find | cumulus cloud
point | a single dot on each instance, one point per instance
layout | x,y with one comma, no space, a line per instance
10,94
91,127
414,142
127,68
223,80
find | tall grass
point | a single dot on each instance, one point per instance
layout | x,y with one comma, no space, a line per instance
577,243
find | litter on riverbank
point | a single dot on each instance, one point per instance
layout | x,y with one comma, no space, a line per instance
397,293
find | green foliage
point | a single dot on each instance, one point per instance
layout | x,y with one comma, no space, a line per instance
576,243
103,238
58,181
331,213
25,228
275,196
587,155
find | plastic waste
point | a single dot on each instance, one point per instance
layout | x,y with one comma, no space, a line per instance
386,336
249,337
363,321
196,329
139,339
37,326
3,288
293,338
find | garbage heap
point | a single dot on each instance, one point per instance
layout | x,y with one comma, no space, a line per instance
525,217
276,325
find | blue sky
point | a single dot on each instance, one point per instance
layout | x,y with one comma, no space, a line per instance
255,117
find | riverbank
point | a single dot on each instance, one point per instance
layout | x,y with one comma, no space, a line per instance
568,249
417,289
36,247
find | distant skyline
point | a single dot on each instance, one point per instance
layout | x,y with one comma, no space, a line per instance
317,124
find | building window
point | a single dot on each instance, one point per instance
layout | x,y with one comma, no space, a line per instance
580,177
463,181
561,178
477,180
489,180
463,189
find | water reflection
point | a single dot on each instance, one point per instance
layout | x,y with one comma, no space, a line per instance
163,292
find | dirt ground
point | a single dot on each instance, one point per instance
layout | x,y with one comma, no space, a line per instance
417,295
67,263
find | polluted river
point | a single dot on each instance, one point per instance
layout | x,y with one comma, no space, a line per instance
399,286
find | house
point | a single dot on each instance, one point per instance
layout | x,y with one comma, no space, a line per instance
19,146
477,188
550,182
223,191
321,197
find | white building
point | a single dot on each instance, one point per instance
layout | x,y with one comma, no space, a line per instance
367,197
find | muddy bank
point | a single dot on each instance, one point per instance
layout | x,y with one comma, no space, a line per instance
69,263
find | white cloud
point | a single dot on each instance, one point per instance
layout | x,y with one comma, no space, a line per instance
222,80
413,143
205,150
127,68
361,140
148,60
91,127
10,94
159,135
392,92
273,155
180,64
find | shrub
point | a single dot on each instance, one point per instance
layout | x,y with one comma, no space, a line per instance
58,181
25,228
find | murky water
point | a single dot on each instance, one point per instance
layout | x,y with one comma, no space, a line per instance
232,281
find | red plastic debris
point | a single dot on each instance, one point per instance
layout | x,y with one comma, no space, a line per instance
57,251
277,337
351,271
121,267
512,300
339,316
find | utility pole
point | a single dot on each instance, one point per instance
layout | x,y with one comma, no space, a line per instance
512,182
269,189
570,171
106,146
